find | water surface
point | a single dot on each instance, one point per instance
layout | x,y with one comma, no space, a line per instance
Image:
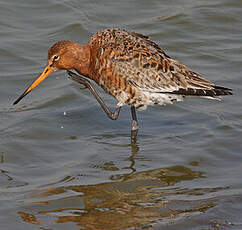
64,164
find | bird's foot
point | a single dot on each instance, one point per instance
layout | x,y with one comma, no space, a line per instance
83,87
135,125
134,131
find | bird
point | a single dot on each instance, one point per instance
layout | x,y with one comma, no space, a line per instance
130,67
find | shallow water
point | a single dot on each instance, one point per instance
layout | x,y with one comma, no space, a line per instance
64,164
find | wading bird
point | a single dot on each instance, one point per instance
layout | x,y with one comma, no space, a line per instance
131,68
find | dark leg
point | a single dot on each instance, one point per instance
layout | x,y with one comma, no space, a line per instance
135,126
88,85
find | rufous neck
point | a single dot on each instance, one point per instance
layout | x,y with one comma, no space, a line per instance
82,64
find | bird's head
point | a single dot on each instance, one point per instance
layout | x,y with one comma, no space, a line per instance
63,55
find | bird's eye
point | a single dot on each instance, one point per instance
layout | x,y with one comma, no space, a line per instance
56,57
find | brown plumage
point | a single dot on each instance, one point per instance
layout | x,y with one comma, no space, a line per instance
129,62
130,67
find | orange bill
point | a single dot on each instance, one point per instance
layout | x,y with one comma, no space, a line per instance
47,71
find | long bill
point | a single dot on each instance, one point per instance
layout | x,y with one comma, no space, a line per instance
47,71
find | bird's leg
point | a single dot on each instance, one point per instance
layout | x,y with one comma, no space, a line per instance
87,84
135,126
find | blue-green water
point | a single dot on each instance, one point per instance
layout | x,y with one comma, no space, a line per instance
64,164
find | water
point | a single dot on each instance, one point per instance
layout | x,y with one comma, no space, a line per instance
64,164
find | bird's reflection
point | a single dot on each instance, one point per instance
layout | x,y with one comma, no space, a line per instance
135,199
134,150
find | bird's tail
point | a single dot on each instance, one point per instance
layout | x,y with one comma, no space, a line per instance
214,91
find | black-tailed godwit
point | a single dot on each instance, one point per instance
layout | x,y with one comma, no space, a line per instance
131,68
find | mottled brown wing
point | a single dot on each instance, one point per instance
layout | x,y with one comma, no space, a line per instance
173,76
144,65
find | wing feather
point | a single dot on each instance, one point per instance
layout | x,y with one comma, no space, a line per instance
144,65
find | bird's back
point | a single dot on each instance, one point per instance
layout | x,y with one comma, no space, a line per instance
136,71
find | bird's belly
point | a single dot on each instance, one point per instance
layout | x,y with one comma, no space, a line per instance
127,94
161,98
142,99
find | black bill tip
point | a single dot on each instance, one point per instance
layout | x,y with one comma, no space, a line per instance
21,97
